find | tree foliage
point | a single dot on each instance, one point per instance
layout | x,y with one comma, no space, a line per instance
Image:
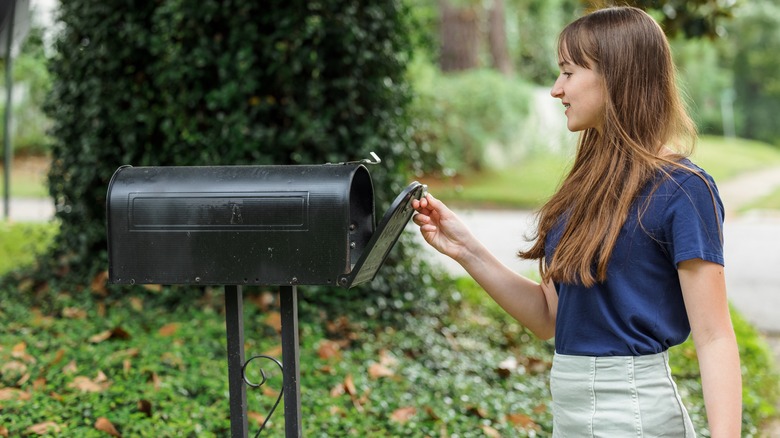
755,43
186,82
689,18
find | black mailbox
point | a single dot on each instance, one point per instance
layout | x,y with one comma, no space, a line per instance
269,225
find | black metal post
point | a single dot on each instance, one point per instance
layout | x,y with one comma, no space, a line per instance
288,296
234,316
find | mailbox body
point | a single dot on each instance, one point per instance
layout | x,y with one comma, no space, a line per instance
270,225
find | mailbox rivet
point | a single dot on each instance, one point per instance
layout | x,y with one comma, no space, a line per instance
343,281
294,280
352,227
352,245
197,279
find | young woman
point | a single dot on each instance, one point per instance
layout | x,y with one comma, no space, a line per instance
630,246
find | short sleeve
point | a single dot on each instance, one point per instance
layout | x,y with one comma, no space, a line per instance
694,220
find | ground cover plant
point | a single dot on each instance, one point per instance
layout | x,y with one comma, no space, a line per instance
94,361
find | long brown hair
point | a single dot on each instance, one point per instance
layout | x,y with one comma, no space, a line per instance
644,119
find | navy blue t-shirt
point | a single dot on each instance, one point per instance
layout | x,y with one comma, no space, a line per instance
639,309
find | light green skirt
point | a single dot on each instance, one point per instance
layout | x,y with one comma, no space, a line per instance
616,396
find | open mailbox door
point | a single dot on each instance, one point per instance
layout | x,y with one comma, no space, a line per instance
386,234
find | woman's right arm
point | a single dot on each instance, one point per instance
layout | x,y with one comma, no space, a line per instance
532,304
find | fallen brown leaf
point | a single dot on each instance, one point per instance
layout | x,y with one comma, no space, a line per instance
13,394
521,420
115,333
336,391
70,368
349,385
169,329
19,351
136,304
274,320
85,384
74,313
534,365
263,301
156,381
274,351
41,320
44,428
387,359
58,357
3,431
403,415
13,367
341,328
256,417
100,337
39,384
103,424
377,370
477,411
98,285
153,287
490,432
328,349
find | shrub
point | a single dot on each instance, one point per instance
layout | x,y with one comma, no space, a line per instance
186,82
469,120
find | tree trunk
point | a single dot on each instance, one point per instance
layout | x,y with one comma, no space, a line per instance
497,38
460,37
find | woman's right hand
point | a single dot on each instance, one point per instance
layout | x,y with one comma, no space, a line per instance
441,227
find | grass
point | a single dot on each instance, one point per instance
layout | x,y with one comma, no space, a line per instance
725,158
527,184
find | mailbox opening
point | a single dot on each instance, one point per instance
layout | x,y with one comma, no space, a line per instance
361,215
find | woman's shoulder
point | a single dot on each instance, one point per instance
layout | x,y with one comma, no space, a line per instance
685,174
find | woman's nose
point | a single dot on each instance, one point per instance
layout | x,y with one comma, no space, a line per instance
556,91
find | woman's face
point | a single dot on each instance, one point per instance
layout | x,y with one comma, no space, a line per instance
582,93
